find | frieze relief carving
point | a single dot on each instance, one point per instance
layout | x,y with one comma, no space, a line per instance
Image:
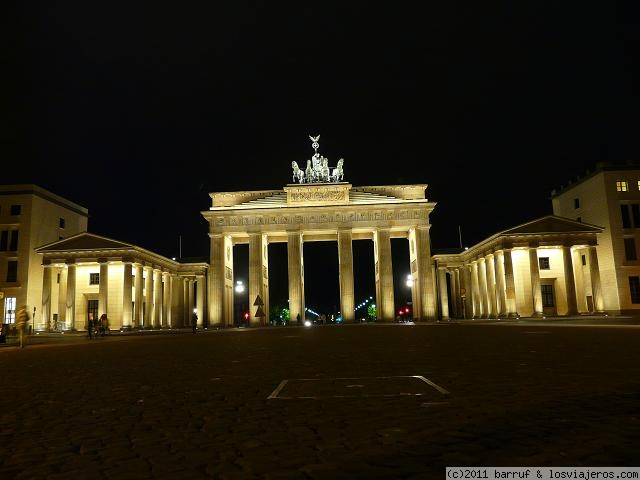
318,196
232,221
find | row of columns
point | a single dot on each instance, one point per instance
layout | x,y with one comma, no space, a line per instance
221,275
489,285
157,296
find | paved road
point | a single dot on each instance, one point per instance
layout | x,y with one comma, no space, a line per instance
353,405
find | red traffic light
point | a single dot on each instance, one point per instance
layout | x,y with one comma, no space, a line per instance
400,312
406,310
246,315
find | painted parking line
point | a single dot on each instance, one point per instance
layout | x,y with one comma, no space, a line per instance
314,388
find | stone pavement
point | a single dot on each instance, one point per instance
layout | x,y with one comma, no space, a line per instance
197,406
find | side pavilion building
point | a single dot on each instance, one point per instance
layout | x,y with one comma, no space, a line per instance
87,275
312,212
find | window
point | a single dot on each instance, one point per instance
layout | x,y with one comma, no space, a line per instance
622,186
626,218
630,249
584,259
544,263
630,215
10,310
12,271
61,223
13,243
638,184
16,209
547,295
634,289
4,240
576,203
94,279
635,214
579,219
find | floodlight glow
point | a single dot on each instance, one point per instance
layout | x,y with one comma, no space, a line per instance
307,323
239,286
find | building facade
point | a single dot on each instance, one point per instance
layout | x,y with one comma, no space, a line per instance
549,266
30,216
87,275
331,211
581,260
610,197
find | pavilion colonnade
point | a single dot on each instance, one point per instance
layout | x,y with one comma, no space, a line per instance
509,280
133,292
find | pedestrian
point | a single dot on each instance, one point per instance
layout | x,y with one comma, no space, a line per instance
194,322
22,318
104,324
298,319
90,327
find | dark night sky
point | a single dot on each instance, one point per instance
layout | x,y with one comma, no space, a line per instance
136,110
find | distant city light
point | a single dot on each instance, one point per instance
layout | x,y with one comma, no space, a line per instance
409,281
239,286
307,323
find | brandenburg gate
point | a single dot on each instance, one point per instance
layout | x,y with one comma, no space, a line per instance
319,206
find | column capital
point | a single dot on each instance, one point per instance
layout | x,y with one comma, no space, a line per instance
533,244
70,261
102,261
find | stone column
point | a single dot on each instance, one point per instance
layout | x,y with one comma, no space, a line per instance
127,307
345,260
596,287
71,294
484,292
190,298
103,288
454,293
501,293
148,298
62,302
166,300
296,276
510,286
385,306
423,292
176,293
581,296
184,301
536,291
137,317
491,285
475,279
200,299
569,281
220,283
468,294
257,242
444,298
46,298
157,297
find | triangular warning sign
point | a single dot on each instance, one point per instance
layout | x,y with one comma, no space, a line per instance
260,312
258,301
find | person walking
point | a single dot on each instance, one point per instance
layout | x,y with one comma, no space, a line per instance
90,327
104,324
22,318
194,322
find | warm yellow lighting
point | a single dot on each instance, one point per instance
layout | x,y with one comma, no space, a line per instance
622,186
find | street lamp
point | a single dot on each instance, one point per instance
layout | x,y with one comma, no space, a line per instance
239,288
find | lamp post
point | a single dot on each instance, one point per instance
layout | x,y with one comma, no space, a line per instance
239,289
409,284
